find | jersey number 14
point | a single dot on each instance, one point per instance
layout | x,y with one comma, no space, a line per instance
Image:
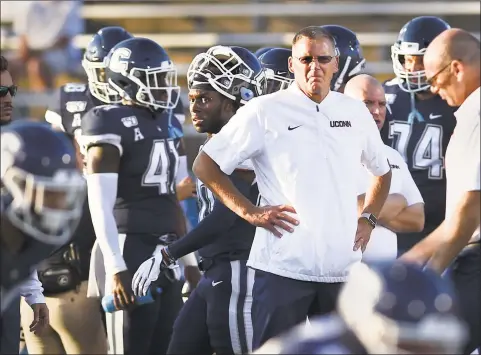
428,153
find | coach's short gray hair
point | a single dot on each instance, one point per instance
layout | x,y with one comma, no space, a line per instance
314,32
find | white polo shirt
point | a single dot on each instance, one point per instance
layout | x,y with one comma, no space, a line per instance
383,242
305,155
462,155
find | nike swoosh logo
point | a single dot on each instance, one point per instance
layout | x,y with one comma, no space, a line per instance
432,116
214,284
291,128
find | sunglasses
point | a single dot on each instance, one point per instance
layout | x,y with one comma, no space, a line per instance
322,59
8,89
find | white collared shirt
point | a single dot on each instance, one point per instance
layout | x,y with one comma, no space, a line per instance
463,156
305,155
383,242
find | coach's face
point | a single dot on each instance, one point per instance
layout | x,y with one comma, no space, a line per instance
313,63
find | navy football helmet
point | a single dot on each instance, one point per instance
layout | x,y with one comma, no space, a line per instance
275,64
413,39
232,71
261,51
141,71
351,60
398,308
93,61
43,187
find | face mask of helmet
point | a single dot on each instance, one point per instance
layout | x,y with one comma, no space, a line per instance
409,81
98,85
47,209
157,87
274,82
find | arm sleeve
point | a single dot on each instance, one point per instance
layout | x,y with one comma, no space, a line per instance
209,229
373,156
102,192
240,139
32,290
99,127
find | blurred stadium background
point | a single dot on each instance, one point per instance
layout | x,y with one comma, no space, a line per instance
185,28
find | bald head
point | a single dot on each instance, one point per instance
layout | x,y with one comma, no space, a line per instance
367,89
451,62
453,44
361,83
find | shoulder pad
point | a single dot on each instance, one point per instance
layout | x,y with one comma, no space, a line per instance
102,125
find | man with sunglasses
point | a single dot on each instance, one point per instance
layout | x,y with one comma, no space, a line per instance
452,66
305,143
28,284
7,92
419,123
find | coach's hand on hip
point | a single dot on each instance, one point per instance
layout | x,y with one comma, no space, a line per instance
363,234
270,217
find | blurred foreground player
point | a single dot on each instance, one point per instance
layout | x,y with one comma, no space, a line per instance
384,308
41,204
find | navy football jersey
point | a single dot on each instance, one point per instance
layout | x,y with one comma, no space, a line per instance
71,102
146,196
421,136
240,235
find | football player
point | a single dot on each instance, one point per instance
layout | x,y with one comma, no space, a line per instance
132,163
384,308
216,316
419,124
276,70
41,199
73,100
351,60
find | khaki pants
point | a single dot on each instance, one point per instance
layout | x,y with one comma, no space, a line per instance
75,325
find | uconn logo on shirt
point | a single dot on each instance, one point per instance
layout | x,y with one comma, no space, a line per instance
340,123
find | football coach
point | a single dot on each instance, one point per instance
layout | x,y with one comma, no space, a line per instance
306,143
